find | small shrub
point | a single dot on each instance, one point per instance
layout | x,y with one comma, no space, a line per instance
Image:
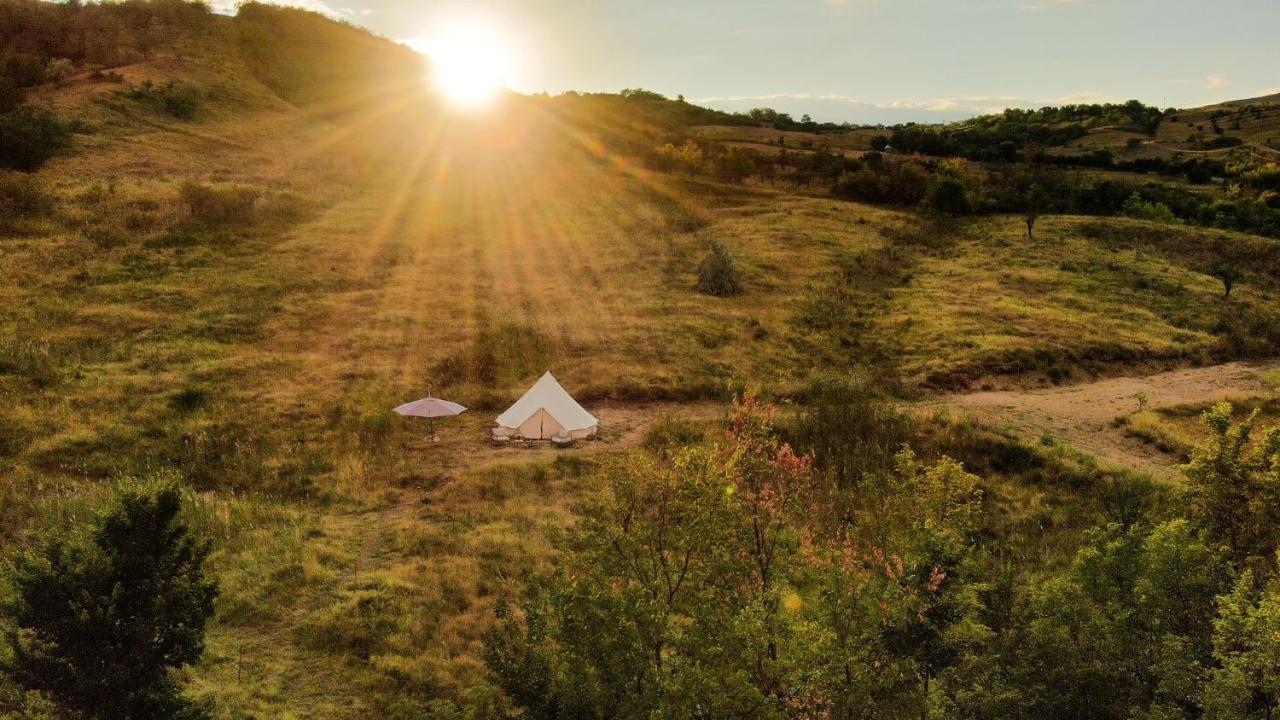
139,221
106,237
1136,207
25,69
106,76
718,273
30,137
686,158
1230,275
1248,331
181,100
850,427
824,307
733,166
1200,173
949,196
57,70
10,94
756,330
219,206
23,194
1058,374
573,466
882,182
669,433
190,399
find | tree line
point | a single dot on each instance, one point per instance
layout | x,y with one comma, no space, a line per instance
1002,136
956,187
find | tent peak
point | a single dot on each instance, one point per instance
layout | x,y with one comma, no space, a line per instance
548,397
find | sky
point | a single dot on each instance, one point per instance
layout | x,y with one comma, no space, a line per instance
864,61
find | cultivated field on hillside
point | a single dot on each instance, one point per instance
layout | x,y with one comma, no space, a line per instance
767,140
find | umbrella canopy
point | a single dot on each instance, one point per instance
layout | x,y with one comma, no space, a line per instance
431,407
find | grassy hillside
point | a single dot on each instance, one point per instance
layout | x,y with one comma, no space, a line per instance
1085,295
1176,429
239,296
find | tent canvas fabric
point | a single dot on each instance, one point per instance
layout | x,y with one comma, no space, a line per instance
545,412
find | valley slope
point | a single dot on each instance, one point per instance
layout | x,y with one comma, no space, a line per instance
150,323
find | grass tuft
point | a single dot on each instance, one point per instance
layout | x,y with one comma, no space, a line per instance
30,359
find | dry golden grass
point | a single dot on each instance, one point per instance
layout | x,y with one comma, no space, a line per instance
1179,429
998,304
359,561
851,142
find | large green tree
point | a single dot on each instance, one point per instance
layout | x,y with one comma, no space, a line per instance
898,604
1246,683
100,622
1234,488
669,593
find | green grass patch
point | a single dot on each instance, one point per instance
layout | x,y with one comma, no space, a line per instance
1178,429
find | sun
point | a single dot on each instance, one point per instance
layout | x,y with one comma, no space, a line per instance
470,64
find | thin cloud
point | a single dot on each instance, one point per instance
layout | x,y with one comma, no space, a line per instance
1215,81
1081,98
972,105
1050,5
845,4
980,103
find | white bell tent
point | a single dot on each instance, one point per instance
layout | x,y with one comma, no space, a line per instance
546,412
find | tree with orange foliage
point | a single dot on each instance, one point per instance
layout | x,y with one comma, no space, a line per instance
721,579
774,487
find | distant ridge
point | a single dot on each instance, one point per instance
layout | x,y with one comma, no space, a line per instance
1273,99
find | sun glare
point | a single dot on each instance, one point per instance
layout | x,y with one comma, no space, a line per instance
470,64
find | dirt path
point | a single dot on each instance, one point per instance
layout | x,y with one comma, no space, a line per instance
1083,414
465,445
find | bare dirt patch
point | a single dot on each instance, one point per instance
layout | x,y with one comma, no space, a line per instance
1084,415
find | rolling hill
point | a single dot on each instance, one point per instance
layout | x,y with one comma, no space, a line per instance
1255,123
236,295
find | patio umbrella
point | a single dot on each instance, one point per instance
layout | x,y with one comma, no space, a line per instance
431,408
